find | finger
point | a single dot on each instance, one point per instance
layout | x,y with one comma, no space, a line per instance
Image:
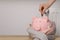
40,12
44,10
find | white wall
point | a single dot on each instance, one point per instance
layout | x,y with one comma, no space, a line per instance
16,15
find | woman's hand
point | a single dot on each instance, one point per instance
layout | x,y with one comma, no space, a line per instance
44,6
47,30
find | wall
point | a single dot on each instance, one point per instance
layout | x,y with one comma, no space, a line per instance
16,15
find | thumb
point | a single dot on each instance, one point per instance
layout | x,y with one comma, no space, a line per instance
44,10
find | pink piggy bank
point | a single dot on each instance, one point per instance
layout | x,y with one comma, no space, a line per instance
40,24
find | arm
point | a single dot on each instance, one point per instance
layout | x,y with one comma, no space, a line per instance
52,29
50,2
